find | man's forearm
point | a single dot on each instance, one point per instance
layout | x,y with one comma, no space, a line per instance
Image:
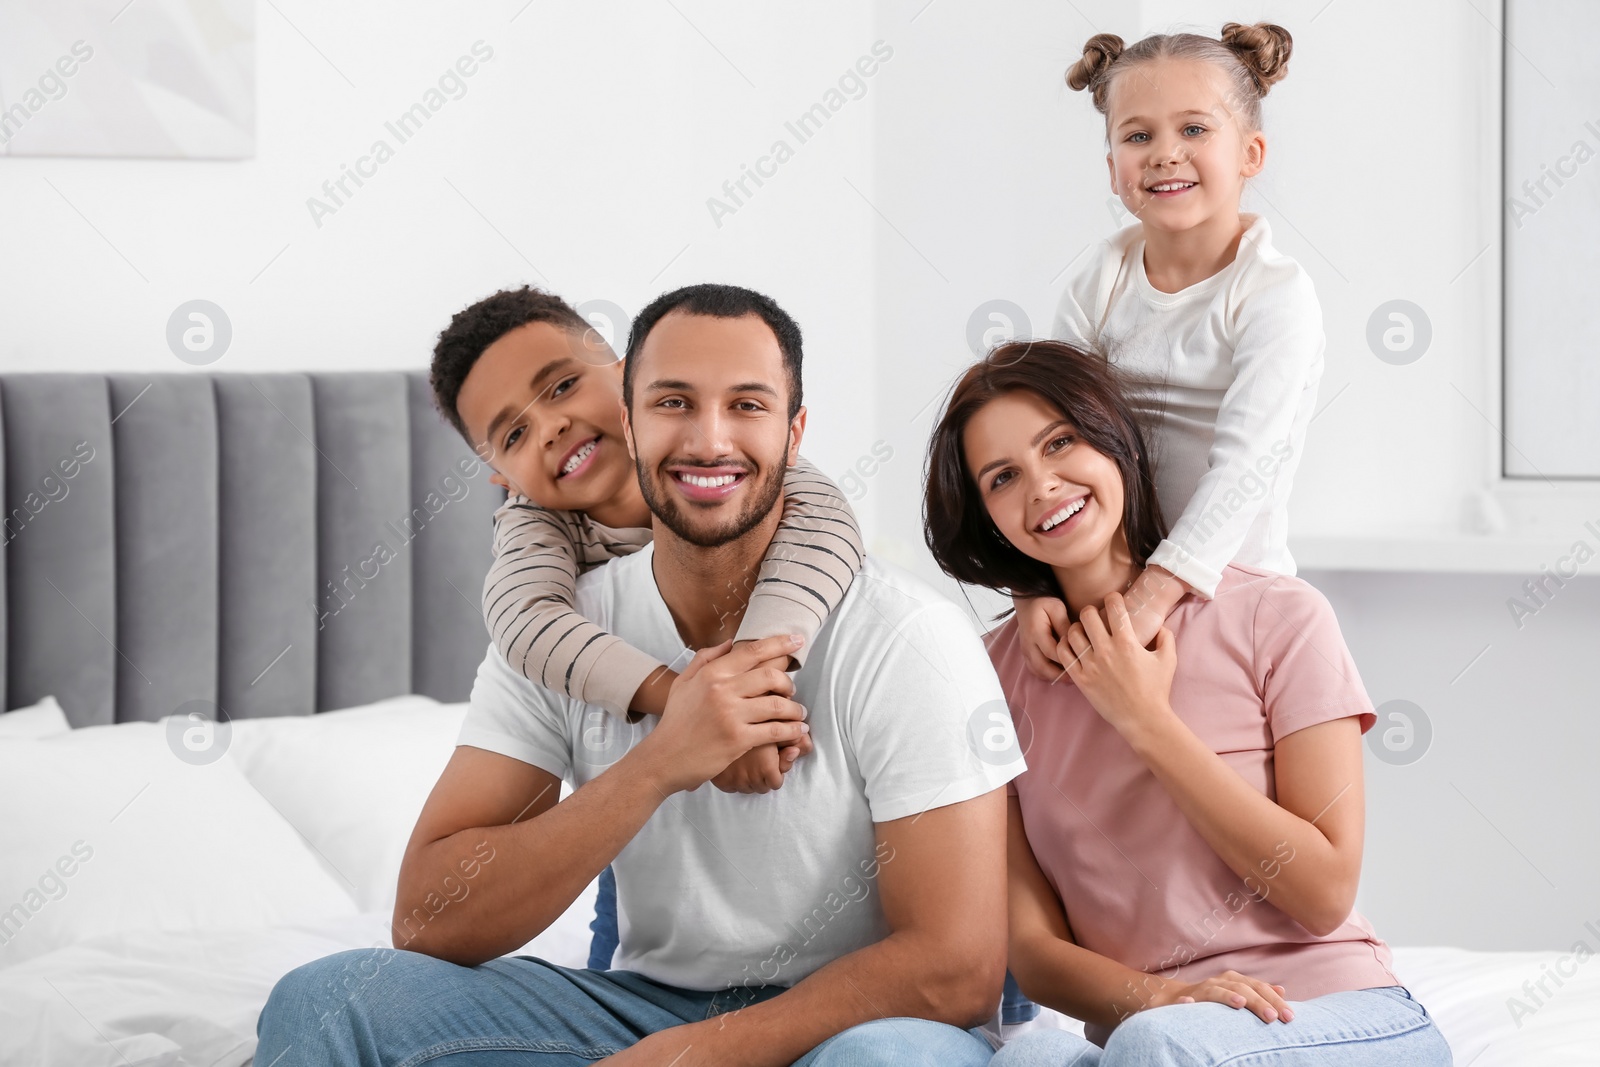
540,866
956,981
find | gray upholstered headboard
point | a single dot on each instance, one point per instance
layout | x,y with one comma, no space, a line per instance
277,544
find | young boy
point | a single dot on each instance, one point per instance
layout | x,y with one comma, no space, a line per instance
537,394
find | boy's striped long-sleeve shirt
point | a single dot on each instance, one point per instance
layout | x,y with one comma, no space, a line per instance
539,553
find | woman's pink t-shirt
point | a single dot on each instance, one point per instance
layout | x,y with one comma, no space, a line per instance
1259,661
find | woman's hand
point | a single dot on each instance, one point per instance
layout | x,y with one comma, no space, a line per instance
1127,684
1232,989
1042,623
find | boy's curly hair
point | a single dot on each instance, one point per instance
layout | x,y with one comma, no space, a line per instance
475,328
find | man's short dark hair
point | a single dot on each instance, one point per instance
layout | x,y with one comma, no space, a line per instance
718,302
475,328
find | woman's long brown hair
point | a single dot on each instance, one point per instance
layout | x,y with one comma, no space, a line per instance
1092,396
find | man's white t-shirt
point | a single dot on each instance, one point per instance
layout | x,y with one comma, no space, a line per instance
721,889
1226,374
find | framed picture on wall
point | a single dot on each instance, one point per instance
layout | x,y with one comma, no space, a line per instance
158,79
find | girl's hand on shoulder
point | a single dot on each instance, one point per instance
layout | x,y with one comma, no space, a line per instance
1126,683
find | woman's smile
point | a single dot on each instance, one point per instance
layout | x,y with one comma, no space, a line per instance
1064,517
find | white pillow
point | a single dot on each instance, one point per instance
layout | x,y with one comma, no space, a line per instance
42,720
353,781
109,831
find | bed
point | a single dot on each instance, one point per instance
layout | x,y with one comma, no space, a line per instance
227,707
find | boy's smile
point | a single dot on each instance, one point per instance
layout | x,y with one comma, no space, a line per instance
543,405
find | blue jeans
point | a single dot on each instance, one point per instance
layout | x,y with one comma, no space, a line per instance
1362,1028
604,925
386,1006
1014,1007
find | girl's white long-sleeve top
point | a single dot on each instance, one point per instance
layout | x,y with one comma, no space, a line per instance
1225,376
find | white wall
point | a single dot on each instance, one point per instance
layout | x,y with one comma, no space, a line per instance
1486,841
966,172
580,158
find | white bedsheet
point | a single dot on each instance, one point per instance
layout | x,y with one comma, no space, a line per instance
156,999
1469,996
164,1000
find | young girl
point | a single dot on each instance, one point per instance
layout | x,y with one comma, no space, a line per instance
1220,333
1185,845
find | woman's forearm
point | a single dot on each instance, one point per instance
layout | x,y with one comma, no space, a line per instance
1083,984
1279,855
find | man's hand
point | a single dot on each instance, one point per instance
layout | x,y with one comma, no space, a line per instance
674,1047
722,706
761,770
1042,625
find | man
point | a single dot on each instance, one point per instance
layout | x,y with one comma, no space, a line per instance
855,916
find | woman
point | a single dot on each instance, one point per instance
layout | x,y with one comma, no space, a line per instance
1185,847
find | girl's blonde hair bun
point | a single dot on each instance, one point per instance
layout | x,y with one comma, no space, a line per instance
1253,57
1263,48
1099,52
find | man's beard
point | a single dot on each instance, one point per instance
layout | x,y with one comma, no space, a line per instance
763,496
